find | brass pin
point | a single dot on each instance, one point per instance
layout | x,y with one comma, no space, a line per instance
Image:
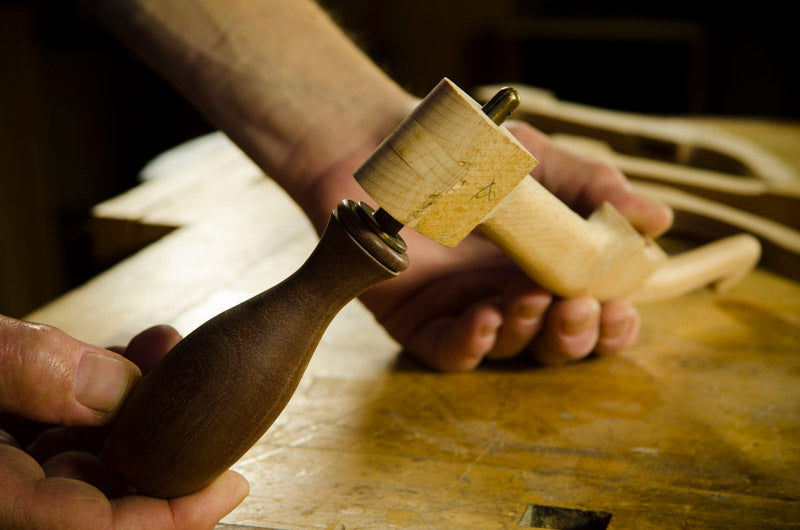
502,104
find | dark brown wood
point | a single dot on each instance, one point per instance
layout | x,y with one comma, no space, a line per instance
217,392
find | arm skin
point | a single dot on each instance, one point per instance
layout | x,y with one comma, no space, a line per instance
291,89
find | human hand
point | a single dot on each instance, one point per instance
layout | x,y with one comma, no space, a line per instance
309,126
453,308
56,394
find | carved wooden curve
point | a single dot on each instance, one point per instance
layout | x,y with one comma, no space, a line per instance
419,177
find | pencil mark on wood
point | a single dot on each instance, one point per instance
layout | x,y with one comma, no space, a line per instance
486,192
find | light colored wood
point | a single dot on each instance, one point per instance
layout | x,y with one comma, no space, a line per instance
448,169
708,219
157,206
709,211
720,264
602,257
778,201
676,140
746,170
445,167
694,427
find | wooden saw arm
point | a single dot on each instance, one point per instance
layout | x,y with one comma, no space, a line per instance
604,256
711,204
447,169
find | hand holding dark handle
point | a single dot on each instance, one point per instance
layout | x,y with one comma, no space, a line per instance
218,390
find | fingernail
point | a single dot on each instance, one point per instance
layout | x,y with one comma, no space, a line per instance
579,323
530,310
573,328
612,330
101,382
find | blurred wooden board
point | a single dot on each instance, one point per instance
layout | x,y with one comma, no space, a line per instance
697,426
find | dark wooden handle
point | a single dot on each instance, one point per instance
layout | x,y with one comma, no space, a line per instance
218,390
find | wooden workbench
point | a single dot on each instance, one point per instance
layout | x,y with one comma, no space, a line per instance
696,426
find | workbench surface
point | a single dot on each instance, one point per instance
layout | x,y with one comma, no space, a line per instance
696,426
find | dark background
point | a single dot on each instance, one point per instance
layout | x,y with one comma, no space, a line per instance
79,117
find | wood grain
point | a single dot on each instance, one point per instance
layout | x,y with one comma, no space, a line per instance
711,204
445,167
694,427
778,201
448,169
686,142
602,257
221,387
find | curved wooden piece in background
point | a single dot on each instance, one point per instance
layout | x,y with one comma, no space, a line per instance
778,201
448,169
716,211
672,140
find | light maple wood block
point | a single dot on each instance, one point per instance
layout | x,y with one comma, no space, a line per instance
445,167
603,256
448,169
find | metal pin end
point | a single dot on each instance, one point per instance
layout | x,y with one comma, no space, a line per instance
502,104
378,221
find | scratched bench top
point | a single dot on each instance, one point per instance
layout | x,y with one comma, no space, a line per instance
696,426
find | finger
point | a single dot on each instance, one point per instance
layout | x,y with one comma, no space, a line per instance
648,216
608,184
619,327
585,183
441,297
458,343
31,500
604,183
202,509
212,503
570,331
85,467
53,441
523,309
49,376
148,347
6,438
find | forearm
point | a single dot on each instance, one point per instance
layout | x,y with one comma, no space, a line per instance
277,76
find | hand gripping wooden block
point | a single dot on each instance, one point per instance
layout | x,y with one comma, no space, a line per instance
448,169
445,167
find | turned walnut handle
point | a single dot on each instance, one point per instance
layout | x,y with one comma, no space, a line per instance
218,390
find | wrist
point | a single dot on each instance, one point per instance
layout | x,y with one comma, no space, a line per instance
319,174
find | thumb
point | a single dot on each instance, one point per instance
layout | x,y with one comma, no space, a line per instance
48,376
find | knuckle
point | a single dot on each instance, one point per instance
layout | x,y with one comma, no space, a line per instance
31,369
